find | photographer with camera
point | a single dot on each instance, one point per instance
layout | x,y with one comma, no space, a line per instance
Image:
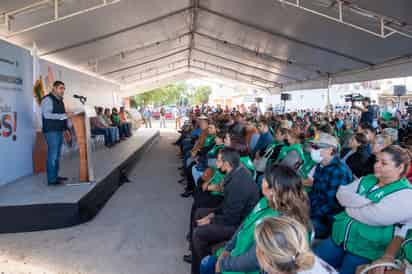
369,113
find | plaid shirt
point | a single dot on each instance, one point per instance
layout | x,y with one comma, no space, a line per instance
326,182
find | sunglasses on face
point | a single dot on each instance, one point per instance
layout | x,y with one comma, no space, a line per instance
317,146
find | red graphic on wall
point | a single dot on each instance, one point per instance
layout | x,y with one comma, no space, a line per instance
8,125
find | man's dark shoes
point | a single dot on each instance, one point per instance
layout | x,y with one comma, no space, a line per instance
187,258
55,183
62,178
187,193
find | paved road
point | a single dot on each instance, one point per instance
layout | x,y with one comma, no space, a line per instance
140,230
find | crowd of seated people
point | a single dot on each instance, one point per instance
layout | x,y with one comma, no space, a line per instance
113,125
304,192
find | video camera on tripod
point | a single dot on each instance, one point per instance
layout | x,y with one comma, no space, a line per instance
354,98
408,106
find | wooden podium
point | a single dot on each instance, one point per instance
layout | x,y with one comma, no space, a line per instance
81,125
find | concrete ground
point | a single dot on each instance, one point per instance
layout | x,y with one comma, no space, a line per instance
141,229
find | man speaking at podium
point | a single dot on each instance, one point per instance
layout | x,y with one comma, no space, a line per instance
55,124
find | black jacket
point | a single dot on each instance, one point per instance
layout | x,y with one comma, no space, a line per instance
241,194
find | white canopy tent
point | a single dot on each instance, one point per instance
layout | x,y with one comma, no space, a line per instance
270,44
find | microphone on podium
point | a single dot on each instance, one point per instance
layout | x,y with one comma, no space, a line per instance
82,99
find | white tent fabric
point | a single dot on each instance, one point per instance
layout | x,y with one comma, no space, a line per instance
270,44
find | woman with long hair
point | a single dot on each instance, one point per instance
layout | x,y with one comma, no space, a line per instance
283,194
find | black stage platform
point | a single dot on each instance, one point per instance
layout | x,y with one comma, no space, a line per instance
30,205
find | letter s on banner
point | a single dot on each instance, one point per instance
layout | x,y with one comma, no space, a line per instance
8,125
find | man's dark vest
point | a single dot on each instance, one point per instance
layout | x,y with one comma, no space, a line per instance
50,125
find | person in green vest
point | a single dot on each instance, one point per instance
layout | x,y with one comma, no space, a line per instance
246,161
282,247
374,205
219,144
405,253
282,194
347,134
398,253
339,127
203,154
238,142
295,144
209,194
307,126
272,151
280,140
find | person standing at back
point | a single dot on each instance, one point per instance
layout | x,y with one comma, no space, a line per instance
369,114
55,123
162,117
178,118
147,115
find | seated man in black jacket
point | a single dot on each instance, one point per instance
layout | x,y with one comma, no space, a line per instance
240,196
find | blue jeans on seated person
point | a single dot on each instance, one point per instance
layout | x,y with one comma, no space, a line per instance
127,129
54,142
122,130
211,162
106,132
338,258
196,174
208,264
115,135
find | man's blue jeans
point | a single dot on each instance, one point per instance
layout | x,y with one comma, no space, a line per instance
196,174
107,135
339,258
54,142
115,135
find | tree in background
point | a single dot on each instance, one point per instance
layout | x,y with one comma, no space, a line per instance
174,94
201,95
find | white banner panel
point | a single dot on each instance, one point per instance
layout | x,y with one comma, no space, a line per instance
16,116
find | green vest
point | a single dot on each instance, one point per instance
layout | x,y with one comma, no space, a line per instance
245,236
247,162
406,248
272,147
286,149
216,179
299,149
361,239
386,115
214,150
209,140
271,131
307,165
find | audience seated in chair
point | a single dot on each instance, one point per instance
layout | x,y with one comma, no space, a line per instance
329,174
240,196
98,128
283,194
373,211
